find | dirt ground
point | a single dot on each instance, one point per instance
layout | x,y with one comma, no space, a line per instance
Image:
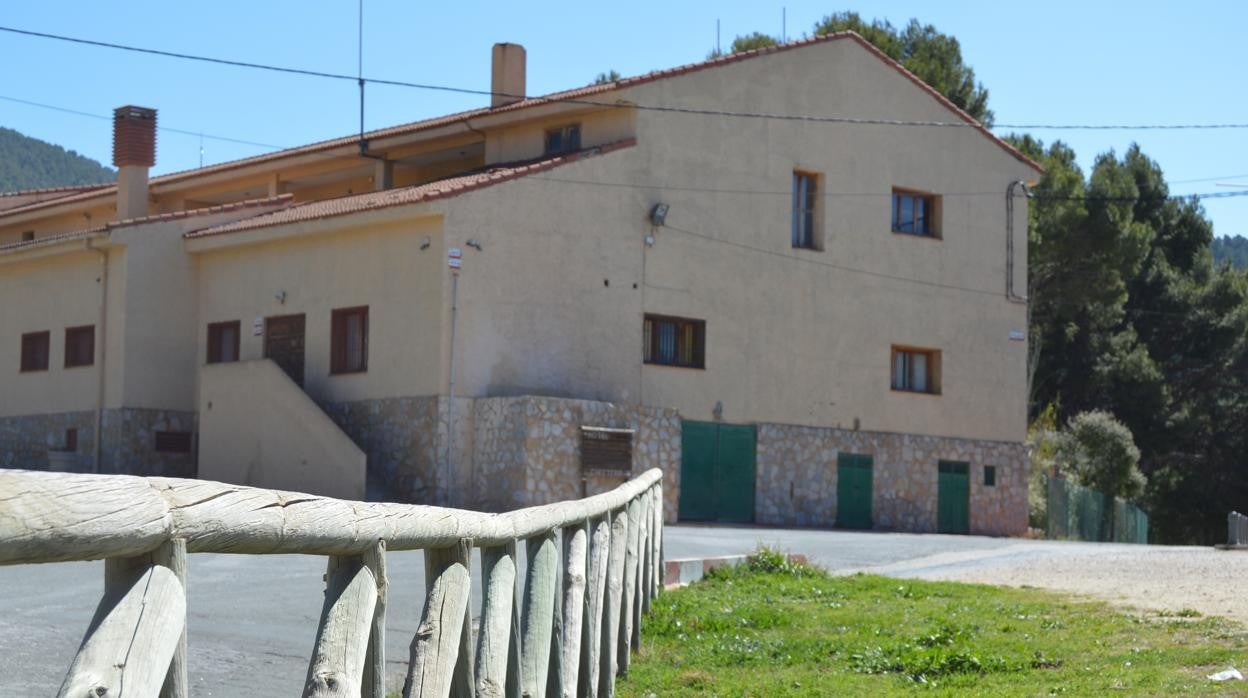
1170,579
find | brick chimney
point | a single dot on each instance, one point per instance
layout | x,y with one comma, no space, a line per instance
507,74
134,151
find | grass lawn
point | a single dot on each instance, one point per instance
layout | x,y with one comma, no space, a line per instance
771,628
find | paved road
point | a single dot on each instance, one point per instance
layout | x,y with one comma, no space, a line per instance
252,619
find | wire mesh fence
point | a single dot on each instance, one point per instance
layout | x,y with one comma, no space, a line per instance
1078,513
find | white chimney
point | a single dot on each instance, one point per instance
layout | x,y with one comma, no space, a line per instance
507,74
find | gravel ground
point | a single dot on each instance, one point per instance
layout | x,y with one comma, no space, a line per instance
1149,577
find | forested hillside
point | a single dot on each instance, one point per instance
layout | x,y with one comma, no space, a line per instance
29,163
1231,249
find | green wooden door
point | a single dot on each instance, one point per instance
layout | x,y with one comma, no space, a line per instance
697,470
853,490
953,497
735,466
717,472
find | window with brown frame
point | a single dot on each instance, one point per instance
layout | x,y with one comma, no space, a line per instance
916,370
565,139
915,213
805,234
674,341
223,340
35,349
79,346
349,341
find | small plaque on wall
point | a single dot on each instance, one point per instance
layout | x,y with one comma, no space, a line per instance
607,449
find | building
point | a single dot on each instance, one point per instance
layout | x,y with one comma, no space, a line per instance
802,321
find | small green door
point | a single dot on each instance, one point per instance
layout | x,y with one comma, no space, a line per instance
853,490
953,497
717,472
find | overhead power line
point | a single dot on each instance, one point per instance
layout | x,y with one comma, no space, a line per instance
360,79
167,129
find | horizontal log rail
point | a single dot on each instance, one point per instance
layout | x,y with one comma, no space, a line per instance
566,629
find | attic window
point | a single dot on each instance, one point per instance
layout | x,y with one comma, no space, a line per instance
28,235
565,139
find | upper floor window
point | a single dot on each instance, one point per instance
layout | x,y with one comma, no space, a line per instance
223,341
79,346
916,370
805,210
28,235
914,213
565,139
348,352
674,341
35,347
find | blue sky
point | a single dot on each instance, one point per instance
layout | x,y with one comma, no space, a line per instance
1056,62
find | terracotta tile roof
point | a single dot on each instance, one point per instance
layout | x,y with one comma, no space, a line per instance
53,190
220,208
51,240
155,218
11,200
420,193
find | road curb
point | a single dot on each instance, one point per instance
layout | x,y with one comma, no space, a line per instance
679,573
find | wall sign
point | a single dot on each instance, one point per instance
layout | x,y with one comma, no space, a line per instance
257,327
604,448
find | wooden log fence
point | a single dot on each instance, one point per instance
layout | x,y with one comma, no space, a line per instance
593,567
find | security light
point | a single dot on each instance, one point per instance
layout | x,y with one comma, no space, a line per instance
658,214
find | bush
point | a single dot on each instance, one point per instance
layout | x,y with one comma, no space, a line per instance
1098,452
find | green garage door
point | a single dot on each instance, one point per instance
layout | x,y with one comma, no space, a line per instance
853,490
717,472
953,497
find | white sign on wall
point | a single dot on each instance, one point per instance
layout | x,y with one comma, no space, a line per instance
257,327
1017,335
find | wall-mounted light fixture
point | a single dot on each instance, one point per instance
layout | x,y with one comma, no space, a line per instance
281,297
658,214
424,244
474,243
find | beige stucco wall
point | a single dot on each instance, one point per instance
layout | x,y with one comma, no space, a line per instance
257,428
793,336
52,293
321,266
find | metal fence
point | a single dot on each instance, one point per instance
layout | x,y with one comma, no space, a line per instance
1236,529
1078,513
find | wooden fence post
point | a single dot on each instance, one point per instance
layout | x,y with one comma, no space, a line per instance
120,573
496,634
645,559
595,593
340,653
373,684
630,588
611,612
540,588
438,666
575,544
132,638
